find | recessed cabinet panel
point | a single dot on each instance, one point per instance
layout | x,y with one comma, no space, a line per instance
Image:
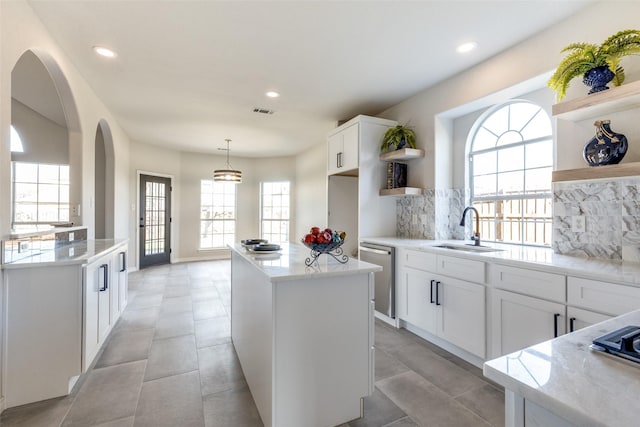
520,321
420,299
530,282
466,269
421,260
578,318
607,298
462,320
343,150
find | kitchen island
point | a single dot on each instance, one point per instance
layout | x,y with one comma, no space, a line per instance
563,383
303,334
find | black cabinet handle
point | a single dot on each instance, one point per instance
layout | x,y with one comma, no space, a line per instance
431,293
555,324
571,324
437,294
123,261
105,277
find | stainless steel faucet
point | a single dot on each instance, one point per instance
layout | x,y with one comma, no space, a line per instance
476,235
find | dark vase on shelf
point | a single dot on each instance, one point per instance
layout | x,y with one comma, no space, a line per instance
597,78
606,147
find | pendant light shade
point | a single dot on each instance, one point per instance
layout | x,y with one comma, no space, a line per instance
229,174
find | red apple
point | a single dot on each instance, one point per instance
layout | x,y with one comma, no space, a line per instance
320,238
309,239
315,231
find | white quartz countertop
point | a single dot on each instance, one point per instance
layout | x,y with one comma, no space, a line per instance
289,263
528,257
566,377
80,252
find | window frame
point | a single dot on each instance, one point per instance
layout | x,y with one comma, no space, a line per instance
223,220
269,235
545,195
61,206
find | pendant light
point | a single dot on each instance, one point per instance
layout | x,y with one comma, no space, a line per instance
229,174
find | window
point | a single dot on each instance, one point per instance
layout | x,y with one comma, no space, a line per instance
40,193
16,141
274,211
217,214
510,163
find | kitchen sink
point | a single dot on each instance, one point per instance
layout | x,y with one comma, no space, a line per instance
467,248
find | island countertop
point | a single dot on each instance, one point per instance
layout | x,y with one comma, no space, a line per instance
567,378
289,263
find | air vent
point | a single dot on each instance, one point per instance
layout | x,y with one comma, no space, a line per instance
263,111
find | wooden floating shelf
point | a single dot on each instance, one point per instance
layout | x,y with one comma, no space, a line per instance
617,98
597,172
402,154
402,191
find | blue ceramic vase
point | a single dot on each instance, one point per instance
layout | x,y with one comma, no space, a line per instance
597,78
606,147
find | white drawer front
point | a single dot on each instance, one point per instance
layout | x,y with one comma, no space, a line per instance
420,260
607,298
539,284
460,268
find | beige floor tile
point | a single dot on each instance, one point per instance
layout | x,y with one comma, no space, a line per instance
487,402
126,346
220,369
108,394
174,325
47,413
143,318
233,407
171,402
427,404
176,305
213,331
207,309
171,356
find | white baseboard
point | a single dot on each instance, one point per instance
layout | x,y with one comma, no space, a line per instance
386,319
208,257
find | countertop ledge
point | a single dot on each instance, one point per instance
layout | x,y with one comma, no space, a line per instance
289,263
80,252
535,258
566,377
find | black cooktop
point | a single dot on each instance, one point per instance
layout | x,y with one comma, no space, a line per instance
624,342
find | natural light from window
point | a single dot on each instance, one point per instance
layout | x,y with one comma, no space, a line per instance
217,214
40,193
510,164
16,142
274,211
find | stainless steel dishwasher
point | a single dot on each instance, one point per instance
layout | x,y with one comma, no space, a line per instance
385,290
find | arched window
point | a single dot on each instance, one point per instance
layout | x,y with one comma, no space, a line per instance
510,164
16,141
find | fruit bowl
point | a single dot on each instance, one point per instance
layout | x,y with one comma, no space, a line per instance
324,241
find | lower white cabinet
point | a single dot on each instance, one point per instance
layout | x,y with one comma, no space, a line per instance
105,290
578,318
520,321
449,308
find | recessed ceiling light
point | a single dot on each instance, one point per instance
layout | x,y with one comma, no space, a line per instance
103,51
272,94
466,47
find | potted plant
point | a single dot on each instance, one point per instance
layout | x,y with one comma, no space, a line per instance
397,137
598,64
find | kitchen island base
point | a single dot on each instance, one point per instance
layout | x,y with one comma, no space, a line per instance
305,342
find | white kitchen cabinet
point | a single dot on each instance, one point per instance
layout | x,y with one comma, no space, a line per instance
97,320
451,309
520,321
603,297
343,150
578,318
123,280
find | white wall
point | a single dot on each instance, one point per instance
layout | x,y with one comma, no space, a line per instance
43,140
311,189
187,170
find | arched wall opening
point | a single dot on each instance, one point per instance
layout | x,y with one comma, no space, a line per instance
104,179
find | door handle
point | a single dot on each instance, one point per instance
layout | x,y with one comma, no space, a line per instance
437,293
572,321
123,261
555,324
431,293
141,222
339,160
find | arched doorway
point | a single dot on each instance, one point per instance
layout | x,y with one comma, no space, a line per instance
104,182
44,113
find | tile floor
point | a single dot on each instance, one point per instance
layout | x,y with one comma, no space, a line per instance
169,362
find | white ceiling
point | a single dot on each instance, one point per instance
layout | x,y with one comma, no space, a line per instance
189,73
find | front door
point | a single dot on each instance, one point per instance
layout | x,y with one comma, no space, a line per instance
155,220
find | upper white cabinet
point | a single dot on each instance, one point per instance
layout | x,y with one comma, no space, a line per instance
343,150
